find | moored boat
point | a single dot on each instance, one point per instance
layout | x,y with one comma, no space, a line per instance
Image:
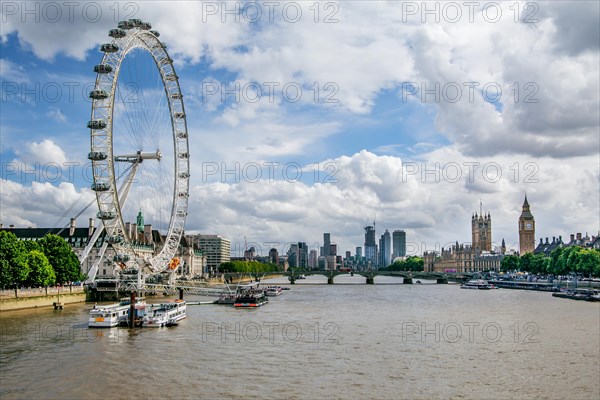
112,315
539,286
226,298
273,290
477,284
250,296
579,294
165,314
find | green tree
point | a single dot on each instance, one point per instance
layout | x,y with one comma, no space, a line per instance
525,262
538,264
61,257
596,271
556,266
13,260
412,263
567,260
246,267
588,261
40,270
31,245
509,263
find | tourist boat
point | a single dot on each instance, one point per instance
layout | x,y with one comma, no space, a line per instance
273,290
111,315
165,314
250,295
226,298
579,294
539,286
477,284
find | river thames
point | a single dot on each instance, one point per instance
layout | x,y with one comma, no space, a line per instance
382,341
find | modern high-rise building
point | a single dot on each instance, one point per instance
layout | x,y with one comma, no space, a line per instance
313,259
292,256
216,248
398,244
526,230
385,249
358,252
387,253
303,255
274,256
370,245
326,251
333,249
379,254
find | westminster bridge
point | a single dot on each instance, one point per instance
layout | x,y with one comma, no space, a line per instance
408,276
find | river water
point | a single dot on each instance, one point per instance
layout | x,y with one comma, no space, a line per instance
347,340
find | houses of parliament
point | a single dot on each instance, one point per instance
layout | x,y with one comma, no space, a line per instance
479,255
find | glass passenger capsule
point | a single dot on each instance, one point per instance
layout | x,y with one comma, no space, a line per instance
102,69
125,24
117,33
104,215
121,258
96,124
98,94
97,156
100,186
109,48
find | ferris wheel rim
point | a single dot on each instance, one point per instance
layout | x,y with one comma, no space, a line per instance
137,36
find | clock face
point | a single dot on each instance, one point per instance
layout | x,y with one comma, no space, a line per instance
528,225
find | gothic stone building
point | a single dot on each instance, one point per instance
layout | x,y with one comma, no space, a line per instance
477,256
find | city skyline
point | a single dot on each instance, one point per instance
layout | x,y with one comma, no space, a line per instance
391,142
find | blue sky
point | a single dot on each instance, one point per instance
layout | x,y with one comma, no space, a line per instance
380,142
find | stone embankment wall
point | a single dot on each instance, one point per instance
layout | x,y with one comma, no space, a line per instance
40,297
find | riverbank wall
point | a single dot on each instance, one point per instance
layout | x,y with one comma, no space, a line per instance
18,303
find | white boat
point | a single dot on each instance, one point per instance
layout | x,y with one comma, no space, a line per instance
163,314
156,318
273,290
109,316
477,284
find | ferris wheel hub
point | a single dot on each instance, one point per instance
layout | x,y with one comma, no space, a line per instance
139,156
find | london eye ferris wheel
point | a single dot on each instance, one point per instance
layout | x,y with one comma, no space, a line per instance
139,145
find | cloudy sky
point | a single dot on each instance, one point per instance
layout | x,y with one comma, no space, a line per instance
311,117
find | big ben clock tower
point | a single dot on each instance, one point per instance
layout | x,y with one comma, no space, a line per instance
526,230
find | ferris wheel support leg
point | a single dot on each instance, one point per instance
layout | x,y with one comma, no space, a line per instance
94,270
90,244
124,189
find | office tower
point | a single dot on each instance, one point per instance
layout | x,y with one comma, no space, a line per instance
216,248
326,245
399,244
370,245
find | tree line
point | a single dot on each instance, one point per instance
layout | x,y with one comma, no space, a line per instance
411,263
247,267
43,262
562,261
